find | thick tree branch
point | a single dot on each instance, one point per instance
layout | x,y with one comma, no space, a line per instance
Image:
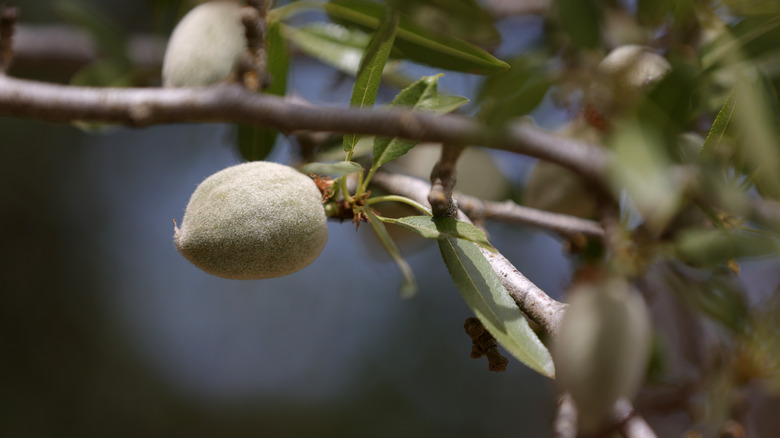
231,103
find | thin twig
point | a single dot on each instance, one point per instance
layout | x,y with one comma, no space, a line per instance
443,178
232,103
511,212
484,344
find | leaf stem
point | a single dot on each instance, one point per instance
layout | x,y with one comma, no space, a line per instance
398,198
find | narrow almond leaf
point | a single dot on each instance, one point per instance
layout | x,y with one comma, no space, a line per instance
449,103
442,228
408,286
371,67
339,168
421,95
489,300
417,43
719,127
255,142
330,43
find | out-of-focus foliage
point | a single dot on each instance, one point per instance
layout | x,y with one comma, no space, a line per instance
693,160
415,42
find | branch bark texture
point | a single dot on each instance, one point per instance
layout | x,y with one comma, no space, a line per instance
139,107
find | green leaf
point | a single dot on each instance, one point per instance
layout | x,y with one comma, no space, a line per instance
721,296
719,127
256,142
418,43
371,67
516,92
408,284
708,247
442,228
483,292
421,95
751,38
338,168
465,19
449,103
330,43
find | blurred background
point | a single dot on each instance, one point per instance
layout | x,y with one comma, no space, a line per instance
105,330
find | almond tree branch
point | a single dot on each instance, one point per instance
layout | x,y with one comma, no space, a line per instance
533,301
511,212
542,309
140,107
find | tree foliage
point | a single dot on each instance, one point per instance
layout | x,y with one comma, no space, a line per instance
679,99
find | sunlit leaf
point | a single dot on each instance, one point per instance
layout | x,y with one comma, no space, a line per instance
256,142
416,43
442,228
408,286
338,168
489,300
370,71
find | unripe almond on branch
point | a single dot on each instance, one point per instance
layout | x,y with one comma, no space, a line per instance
602,348
205,46
254,220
